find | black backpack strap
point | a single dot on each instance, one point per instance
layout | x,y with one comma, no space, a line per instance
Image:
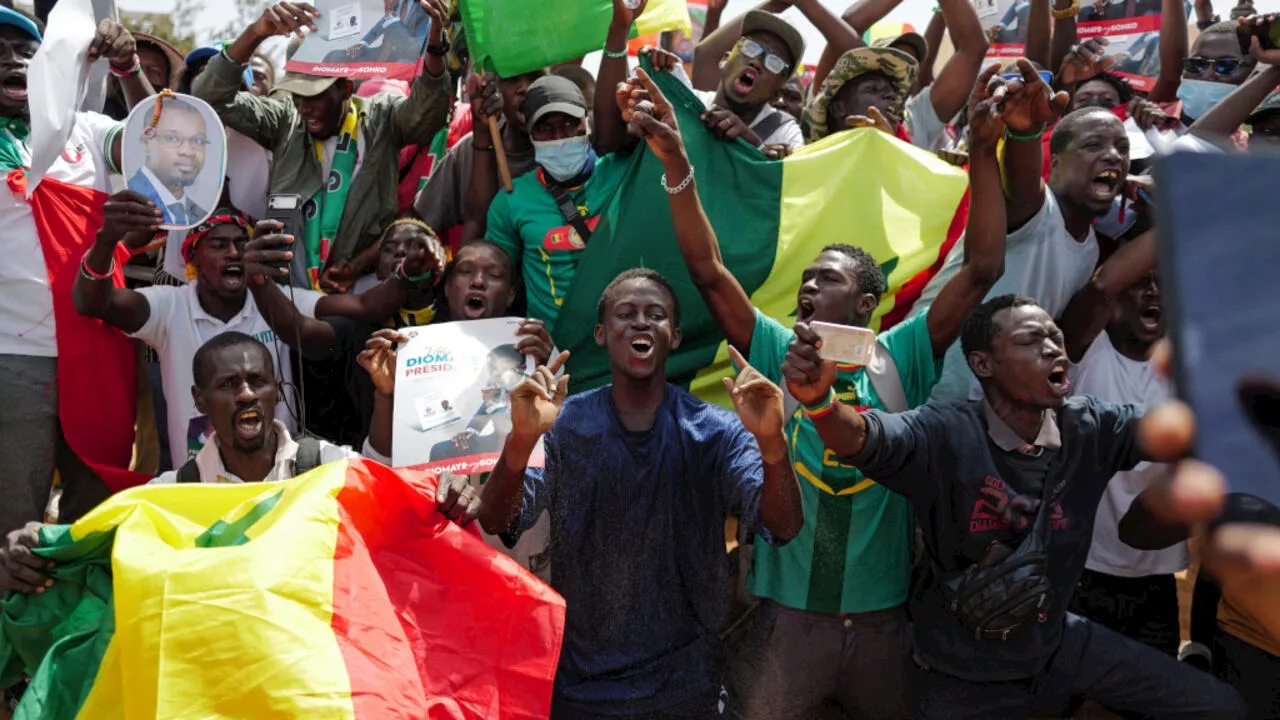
769,125
189,472
308,458
569,210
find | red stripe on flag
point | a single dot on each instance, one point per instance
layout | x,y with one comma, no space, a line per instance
910,292
431,621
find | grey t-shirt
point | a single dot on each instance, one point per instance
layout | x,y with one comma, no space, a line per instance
442,201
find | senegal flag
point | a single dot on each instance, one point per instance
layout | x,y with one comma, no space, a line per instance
511,37
338,594
772,218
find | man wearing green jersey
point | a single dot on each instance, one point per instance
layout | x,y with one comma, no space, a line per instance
832,622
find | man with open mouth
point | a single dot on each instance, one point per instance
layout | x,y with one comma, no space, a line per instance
846,574
1052,247
639,479
1026,464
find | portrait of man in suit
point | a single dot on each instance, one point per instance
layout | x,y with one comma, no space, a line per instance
175,153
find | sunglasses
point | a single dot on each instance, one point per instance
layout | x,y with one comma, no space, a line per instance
752,49
1221,66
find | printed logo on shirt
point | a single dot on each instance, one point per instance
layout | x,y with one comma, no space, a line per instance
1000,508
566,238
73,155
199,429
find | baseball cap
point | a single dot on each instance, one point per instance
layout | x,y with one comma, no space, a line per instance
208,51
20,21
761,21
913,39
304,85
1268,106
551,94
897,65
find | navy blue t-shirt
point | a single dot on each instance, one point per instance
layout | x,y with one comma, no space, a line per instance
637,546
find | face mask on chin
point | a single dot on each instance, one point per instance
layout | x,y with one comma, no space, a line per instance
1199,96
563,159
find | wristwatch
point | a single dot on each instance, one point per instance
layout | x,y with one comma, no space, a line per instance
440,50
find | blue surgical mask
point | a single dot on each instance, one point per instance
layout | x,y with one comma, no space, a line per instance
563,159
1198,96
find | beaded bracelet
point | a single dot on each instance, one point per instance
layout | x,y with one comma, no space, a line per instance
1024,138
132,71
92,274
824,408
615,55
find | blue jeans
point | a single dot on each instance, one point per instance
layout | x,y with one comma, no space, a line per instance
1126,676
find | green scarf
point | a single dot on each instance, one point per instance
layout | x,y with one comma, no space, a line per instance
324,211
12,141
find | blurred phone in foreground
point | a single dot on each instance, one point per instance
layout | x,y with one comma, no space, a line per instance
1218,262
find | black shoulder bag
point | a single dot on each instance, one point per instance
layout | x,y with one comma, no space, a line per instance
569,210
308,459
996,600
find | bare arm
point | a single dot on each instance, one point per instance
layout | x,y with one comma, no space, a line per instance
1039,33
1227,116
933,38
839,34
713,46
984,240
115,43
715,10
610,132
417,118
1028,105
1064,36
860,16
1174,47
1090,309
955,81
124,213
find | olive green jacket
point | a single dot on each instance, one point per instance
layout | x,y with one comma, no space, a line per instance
388,123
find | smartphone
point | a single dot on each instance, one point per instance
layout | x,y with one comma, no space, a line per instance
1264,27
844,343
287,210
1222,305
1045,75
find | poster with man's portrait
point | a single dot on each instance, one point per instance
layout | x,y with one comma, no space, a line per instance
364,39
175,155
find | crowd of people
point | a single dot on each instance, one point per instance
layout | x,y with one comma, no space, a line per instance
982,522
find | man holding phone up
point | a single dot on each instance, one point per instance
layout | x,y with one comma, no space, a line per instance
327,145
846,574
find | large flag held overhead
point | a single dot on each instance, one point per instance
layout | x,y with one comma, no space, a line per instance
772,218
338,594
512,37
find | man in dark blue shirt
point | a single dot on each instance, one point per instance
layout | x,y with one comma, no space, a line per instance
640,477
976,474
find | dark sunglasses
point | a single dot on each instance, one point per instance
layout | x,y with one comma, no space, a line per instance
1221,66
752,49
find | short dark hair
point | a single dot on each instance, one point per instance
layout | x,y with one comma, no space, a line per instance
1069,127
1117,83
639,274
201,373
870,277
578,75
980,326
511,266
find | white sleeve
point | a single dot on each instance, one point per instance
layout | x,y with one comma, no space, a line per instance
1191,143
102,131
369,453
162,299
306,300
790,135
923,124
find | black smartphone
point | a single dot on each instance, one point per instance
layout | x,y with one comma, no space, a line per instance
287,210
1223,305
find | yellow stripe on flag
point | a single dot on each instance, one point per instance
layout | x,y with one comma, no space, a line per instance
862,188
256,644
662,15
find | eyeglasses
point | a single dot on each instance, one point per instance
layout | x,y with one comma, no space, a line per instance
1221,66
176,141
752,49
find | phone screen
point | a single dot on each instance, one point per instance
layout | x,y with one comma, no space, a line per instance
1217,272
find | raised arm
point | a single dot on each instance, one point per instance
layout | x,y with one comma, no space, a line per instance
860,16
1064,34
1227,116
1089,311
1025,106
535,405
707,55
1039,33
1174,47
486,101
933,35
955,81
417,118
379,360
609,131
984,237
650,116
94,294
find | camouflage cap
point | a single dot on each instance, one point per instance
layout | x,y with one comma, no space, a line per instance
1268,106
898,66
914,40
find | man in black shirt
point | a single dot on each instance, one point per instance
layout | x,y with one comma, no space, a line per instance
976,474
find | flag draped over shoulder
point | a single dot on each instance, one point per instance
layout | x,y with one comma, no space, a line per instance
772,218
338,594
512,37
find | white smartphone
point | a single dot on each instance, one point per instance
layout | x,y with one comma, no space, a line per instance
844,343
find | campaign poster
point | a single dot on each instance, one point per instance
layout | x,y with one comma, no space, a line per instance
453,395
175,155
1131,27
364,39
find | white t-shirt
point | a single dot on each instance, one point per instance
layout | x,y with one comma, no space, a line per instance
927,130
1107,375
178,326
1042,260
27,326
788,133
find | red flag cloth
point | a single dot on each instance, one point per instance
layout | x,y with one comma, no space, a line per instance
97,364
